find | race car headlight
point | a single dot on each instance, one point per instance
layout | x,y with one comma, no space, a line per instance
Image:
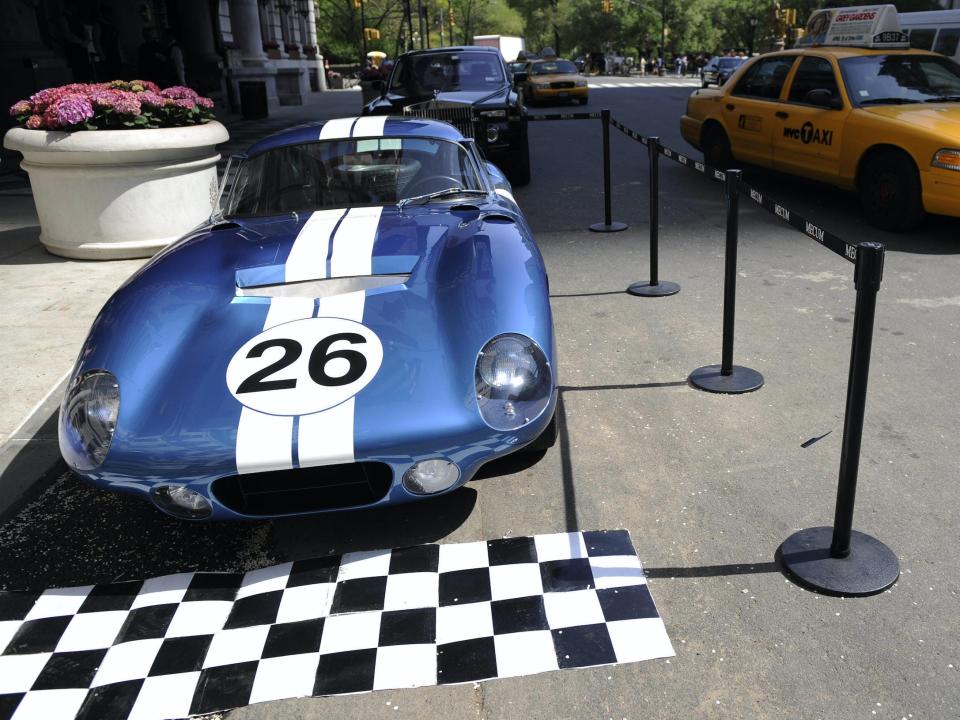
513,381
948,159
88,419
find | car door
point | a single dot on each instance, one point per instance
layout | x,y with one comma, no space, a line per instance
808,130
749,107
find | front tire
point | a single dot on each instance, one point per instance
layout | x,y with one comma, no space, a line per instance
890,191
716,147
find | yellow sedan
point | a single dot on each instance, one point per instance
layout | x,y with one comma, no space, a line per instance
554,80
885,123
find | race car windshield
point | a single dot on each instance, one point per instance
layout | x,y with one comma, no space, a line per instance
348,173
560,67
422,75
900,79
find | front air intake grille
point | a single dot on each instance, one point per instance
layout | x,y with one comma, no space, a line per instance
462,118
561,85
284,492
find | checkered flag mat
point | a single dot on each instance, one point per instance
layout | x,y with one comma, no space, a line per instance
198,642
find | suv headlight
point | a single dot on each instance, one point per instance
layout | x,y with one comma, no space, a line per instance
513,381
88,418
948,159
493,113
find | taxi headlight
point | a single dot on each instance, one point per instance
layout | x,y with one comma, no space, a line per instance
513,381
88,418
948,159
581,83
541,85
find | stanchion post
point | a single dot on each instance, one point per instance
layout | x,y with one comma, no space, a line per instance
840,560
727,377
608,225
654,288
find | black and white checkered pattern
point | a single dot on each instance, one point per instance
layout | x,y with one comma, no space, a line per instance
432,614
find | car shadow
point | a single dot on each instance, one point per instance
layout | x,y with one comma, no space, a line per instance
75,534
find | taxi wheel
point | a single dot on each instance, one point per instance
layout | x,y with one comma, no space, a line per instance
716,147
890,193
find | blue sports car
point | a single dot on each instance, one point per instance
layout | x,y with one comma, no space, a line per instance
367,323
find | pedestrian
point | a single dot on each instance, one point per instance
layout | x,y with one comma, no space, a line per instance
151,60
642,63
175,70
683,63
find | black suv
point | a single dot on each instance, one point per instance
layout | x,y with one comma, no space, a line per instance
468,87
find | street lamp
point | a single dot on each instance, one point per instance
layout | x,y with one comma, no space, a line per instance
753,30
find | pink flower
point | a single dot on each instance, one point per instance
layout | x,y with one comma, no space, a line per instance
43,98
146,85
149,98
185,103
205,103
35,122
70,109
22,107
179,92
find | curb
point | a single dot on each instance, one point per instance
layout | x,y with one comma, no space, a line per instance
30,458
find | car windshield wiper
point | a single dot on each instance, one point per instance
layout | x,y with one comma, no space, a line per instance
944,98
889,101
422,199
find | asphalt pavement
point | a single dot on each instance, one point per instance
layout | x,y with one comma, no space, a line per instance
708,485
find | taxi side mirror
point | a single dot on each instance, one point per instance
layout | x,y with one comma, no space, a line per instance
821,97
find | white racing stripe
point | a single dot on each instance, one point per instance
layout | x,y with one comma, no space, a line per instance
503,192
337,129
353,243
264,442
308,256
326,438
369,126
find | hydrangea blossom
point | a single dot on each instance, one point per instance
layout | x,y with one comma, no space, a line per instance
116,104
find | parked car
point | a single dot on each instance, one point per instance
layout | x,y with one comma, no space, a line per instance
719,69
554,80
367,324
855,107
468,87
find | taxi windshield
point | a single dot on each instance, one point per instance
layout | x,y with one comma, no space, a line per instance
348,173
558,67
901,79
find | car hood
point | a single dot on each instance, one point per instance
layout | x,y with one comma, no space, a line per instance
938,118
556,77
497,96
438,281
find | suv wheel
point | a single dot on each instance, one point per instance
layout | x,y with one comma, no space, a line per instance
890,192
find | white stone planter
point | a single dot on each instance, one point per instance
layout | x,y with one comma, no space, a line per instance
111,194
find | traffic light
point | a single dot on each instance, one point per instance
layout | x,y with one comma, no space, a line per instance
371,33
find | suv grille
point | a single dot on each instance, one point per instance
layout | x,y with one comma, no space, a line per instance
282,492
462,118
561,85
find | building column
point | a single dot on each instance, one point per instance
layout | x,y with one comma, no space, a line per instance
254,65
204,66
312,35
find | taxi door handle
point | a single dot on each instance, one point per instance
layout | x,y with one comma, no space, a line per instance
730,106
782,114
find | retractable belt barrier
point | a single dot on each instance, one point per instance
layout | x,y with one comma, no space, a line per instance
566,116
837,560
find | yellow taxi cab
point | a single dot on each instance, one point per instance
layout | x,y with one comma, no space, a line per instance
854,107
554,79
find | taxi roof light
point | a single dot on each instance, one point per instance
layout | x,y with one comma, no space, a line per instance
870,26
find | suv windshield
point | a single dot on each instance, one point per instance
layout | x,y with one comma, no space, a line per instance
898,79
348,173
418,75
557,67
727,63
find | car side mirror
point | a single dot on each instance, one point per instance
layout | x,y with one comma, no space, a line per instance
821,97
519,77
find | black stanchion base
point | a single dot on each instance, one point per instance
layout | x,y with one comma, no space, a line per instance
741,380
661,289
612,227
870,568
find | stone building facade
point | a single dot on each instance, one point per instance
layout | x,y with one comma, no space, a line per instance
45,43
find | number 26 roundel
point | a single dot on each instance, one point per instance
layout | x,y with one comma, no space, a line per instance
304,366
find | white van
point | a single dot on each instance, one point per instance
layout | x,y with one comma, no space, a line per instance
937,30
